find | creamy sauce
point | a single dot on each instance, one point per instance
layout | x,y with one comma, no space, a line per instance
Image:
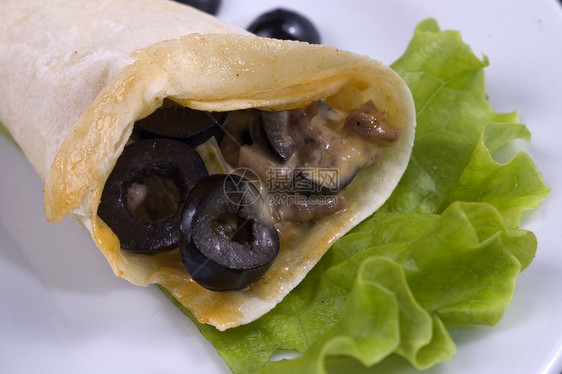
328,153
322,141
322,150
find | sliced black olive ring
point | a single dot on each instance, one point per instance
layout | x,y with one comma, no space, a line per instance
270,134
169,165
226,245
181,123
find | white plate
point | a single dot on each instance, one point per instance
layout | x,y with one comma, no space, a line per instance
62,310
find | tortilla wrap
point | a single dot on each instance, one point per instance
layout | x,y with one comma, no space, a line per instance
77,75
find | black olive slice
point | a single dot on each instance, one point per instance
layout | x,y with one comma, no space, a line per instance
227,236
162,167
181,123
270,133
275,126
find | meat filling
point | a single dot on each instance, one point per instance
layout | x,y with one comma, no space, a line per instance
305,153
303,157
160,196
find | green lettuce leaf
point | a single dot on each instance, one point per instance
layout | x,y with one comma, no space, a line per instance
447,82
387,291
444,251
513,187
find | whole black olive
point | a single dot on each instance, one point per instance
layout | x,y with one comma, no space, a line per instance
227,236
285,24
181,123
208,6
142,198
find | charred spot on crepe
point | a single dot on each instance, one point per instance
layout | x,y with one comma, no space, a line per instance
175,121
228,239
285,24
162,167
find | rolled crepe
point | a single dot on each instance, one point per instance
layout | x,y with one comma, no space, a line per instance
77,75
